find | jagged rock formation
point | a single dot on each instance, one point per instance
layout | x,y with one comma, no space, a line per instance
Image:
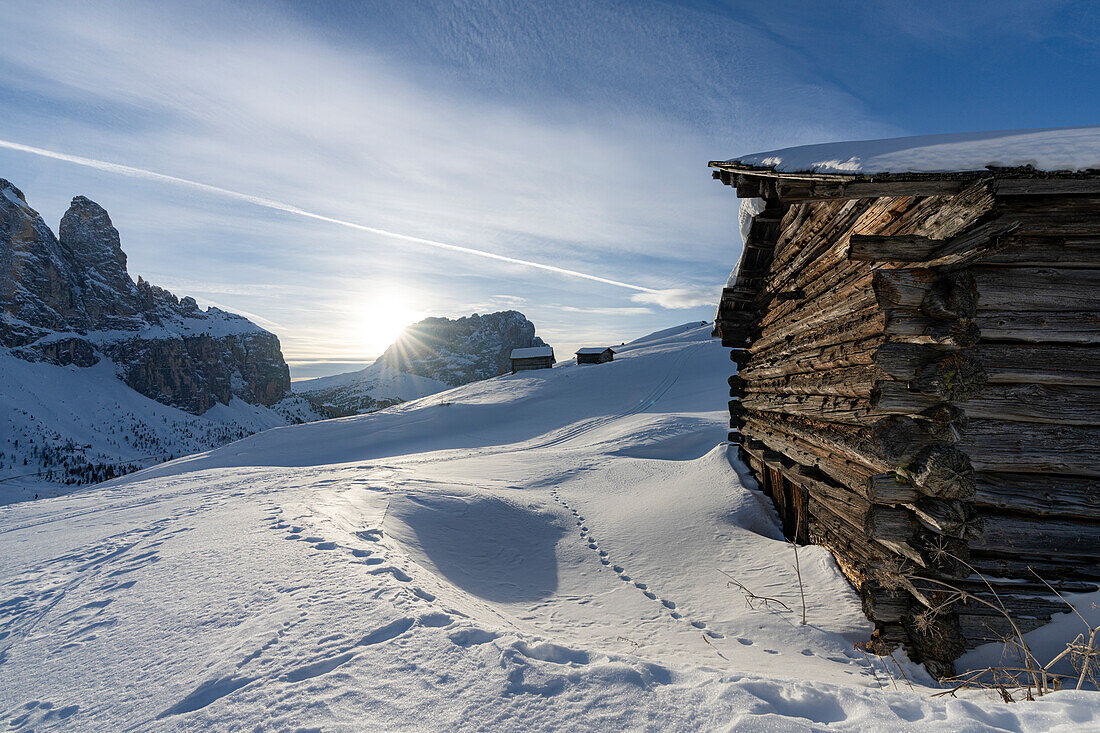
463,350
70,300
101,375
428,357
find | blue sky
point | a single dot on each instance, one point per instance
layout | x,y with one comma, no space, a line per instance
572,134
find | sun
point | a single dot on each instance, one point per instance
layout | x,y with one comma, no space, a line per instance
382,321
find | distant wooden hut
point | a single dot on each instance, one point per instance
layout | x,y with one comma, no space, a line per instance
918,382
532,357
595,355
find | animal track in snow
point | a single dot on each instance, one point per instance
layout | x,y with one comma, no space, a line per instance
620,571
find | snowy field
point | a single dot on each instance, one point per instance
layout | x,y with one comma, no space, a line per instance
543,551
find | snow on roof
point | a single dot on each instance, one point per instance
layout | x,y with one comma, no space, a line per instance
1052,149
594,350
532,352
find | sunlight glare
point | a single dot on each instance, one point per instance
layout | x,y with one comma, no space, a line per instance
382,321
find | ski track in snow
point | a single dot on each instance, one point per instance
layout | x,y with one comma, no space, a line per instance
559,581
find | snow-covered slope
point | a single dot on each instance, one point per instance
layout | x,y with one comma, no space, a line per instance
64,426
366,390
545,551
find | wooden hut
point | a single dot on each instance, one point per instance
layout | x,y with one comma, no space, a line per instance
916,328
532,357
595,355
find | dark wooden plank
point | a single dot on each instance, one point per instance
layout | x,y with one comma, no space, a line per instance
1043,495
901,248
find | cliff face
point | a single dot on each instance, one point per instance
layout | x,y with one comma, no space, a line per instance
70,300
462,350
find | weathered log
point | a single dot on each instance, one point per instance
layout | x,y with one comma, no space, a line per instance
1060,186
936,471
1038,289
952,376
890,488
974,244
941,471
1044,495
837,467
898,248
1068,216
838,409
905,324
884,488
998,445
1039,364
940,296
1049,567
1017,402
1070,327
1046,251
949,517
855,552
863,189
901,437
1014,535
850,382
855,354
884,605
818,315
852,328
881,523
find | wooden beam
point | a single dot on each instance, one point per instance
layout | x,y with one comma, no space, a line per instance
900,248
1029,403
940,296
1046,186
1042,495
951,376
1039,364
791,191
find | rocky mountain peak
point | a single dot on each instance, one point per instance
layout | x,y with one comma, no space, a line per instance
462,350
69,300
93,249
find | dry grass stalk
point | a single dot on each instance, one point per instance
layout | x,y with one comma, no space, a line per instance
1032,675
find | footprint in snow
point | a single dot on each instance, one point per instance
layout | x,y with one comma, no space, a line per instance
395,572
435,620
472,637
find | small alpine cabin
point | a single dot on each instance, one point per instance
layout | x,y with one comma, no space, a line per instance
595,355
916,328
532,357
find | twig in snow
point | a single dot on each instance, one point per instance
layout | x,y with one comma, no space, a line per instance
750,596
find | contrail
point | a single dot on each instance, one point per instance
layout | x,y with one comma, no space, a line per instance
133,172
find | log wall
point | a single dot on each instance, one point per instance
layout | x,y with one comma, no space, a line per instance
917,384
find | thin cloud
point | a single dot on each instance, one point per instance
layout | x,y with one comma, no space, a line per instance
131,171
676,298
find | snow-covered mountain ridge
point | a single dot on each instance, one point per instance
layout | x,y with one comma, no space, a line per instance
100,374
428,357
539,552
